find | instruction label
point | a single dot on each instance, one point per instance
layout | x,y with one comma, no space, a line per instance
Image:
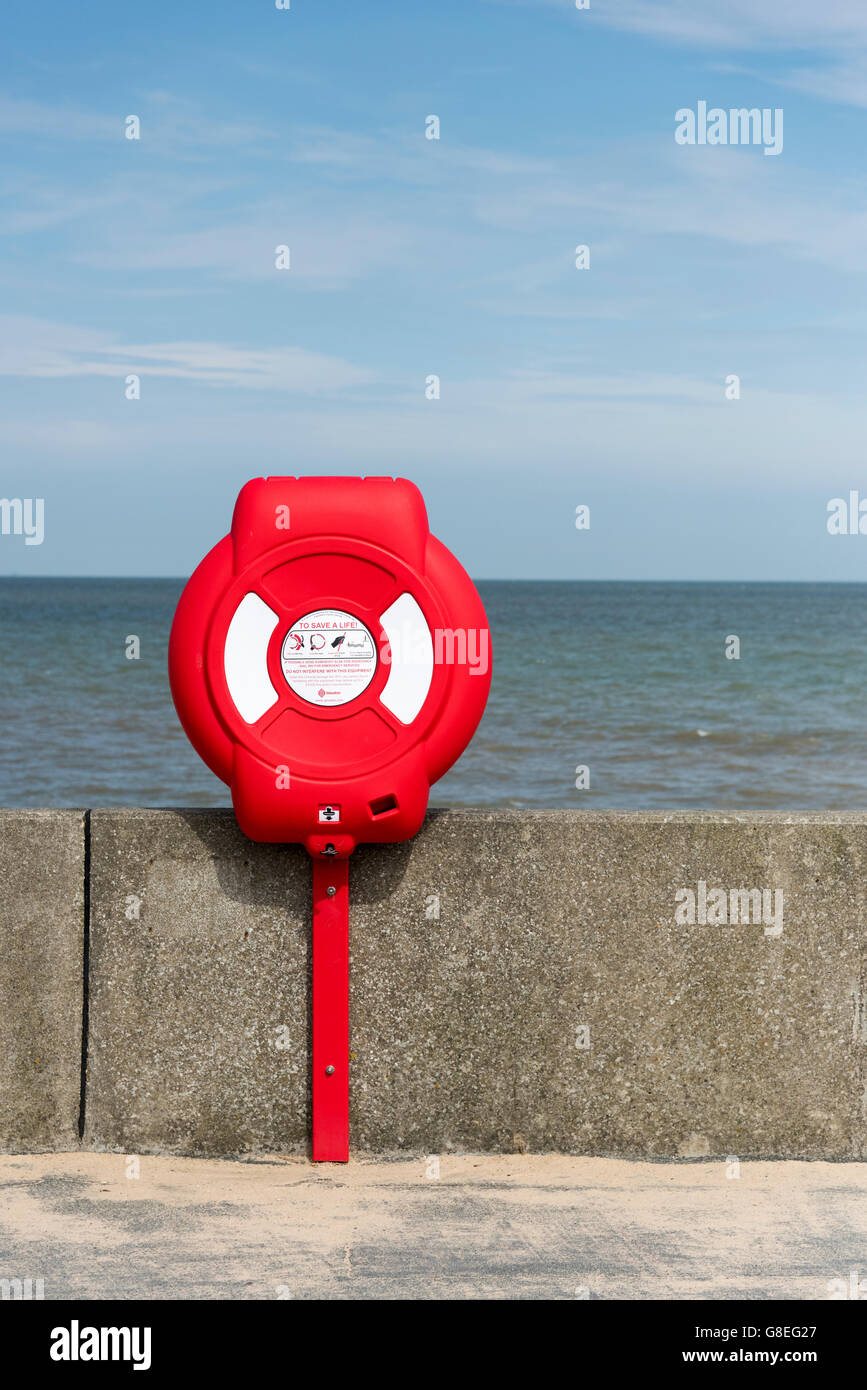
328,657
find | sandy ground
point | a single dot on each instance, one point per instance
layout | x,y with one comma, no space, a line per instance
486,1227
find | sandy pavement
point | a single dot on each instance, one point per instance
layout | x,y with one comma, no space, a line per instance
110,1226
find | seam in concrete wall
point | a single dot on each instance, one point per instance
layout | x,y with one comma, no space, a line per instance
85,981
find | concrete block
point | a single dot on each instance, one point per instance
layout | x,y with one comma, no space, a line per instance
41,976
199,987
556,1004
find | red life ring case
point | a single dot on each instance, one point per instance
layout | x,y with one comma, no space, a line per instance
330,659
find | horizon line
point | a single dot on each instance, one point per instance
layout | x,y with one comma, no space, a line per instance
477,579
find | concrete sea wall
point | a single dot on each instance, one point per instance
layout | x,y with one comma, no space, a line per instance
520,981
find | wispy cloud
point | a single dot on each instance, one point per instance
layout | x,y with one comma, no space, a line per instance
832,32
809,24
56,123
170,123
31,347
326,251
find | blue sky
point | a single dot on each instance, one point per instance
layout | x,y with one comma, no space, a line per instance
411,257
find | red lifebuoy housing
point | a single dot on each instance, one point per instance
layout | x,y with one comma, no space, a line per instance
330,659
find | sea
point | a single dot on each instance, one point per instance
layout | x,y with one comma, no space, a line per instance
604,695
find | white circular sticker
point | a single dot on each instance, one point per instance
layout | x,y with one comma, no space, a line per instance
328,657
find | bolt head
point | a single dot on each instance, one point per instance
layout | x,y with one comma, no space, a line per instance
329,1071
331,892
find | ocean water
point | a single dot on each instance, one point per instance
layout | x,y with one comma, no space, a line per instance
628,680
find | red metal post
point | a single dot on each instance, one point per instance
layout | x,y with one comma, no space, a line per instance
330,1010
